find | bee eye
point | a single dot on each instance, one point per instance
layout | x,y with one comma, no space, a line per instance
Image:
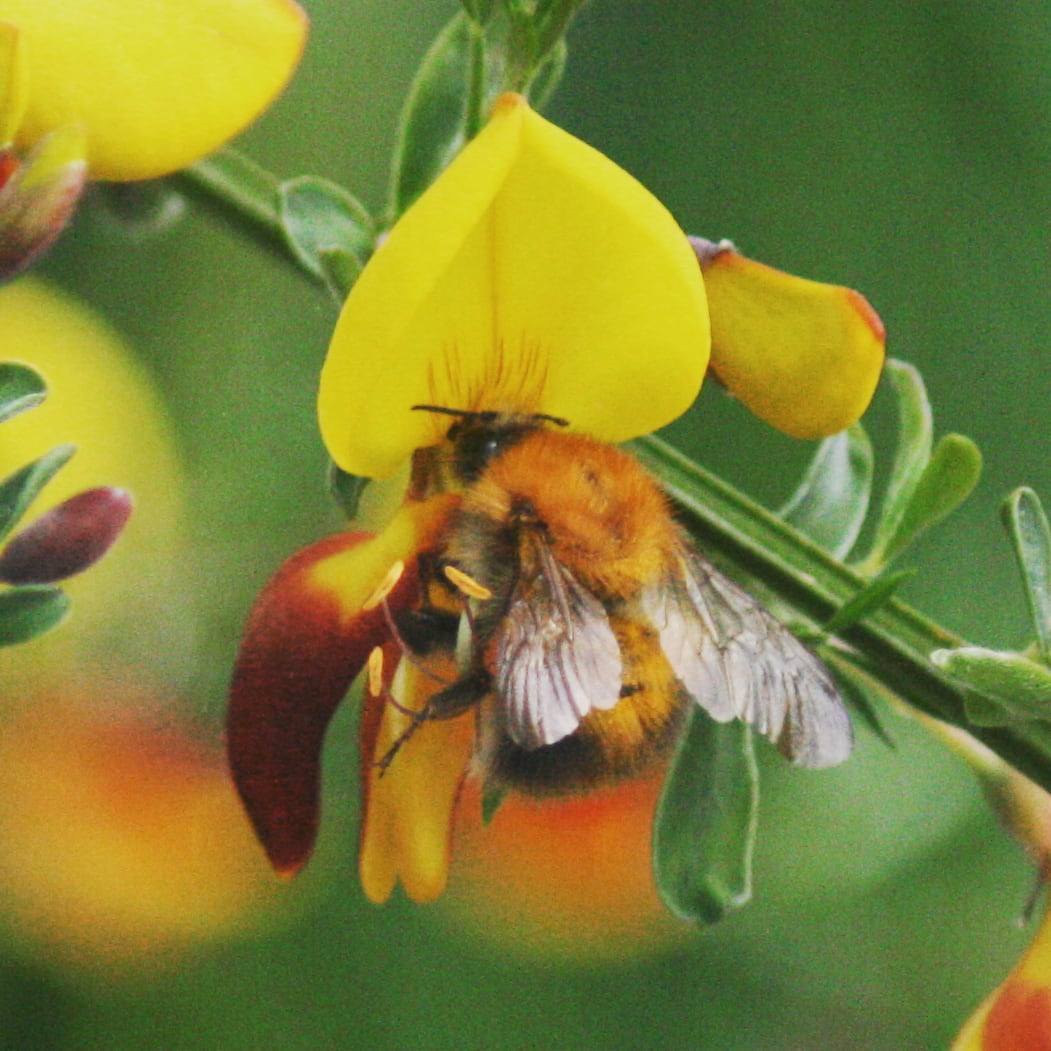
475,450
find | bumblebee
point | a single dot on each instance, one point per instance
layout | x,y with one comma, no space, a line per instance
594,625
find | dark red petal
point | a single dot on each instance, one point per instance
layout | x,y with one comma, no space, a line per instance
301,651
67,539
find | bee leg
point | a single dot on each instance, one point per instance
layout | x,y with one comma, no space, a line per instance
466,693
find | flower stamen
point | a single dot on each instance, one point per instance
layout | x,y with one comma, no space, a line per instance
385,587
375,672
467,585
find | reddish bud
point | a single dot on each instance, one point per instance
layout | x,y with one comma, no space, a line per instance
38,198
67,539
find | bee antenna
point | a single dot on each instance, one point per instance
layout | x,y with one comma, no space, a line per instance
474,414
558,421
445,411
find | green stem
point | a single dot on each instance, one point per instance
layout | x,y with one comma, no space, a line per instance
892,644
476,82
242,194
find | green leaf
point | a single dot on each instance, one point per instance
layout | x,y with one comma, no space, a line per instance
547,78
327,229
876,593
552,19
433,125
19,490
948,479
1020,687
911,455
340,270
21,388
833,498
478,10
865,694
706,821
346,489
492,797
1026,524
26,612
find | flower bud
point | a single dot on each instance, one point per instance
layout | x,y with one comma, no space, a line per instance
37,198
67,539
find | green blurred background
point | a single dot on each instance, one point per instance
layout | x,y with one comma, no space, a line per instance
900,148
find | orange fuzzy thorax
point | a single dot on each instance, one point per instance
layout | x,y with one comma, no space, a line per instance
604,516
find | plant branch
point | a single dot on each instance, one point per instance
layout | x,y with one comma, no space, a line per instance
893,644
242,194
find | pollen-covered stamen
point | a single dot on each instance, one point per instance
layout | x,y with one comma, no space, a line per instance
386,586
375,672
466,584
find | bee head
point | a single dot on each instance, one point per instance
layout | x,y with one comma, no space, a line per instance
479,437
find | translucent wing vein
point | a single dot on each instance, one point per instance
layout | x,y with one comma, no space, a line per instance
738,661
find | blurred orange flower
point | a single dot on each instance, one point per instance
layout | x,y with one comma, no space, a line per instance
569,877
121,839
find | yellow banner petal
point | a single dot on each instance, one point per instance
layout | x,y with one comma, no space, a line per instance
533,276
803,356
14,81
157,85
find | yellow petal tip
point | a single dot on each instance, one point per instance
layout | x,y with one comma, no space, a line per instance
803,356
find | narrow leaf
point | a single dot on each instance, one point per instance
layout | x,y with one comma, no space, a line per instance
706,822
321,220
19,490
864,693
478,10
491,800
340,269
1026,524
552,19
913,451
833,498
21,388
1020,686
346,489
948,479
28,612
433,122
549,75
869,599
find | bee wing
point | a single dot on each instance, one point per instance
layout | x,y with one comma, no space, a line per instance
738,661
557,657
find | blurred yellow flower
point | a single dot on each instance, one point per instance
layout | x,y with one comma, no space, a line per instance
114,89
154,86
102,400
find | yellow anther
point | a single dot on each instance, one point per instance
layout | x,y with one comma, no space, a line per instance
375,672
468,585
386,586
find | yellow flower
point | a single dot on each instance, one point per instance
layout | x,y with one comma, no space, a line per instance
533,277
114,89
